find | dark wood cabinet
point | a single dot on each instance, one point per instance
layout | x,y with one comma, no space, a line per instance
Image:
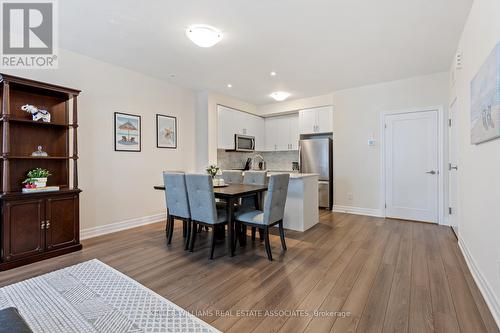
36,226
23,234
61,221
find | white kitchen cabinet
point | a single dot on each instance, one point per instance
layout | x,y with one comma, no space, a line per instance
225,129
231,122
282,133
316,120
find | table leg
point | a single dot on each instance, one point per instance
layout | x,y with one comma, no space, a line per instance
230,225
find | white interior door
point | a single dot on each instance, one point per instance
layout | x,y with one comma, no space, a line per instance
453,168
411,166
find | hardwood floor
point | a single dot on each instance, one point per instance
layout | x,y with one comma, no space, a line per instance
378,275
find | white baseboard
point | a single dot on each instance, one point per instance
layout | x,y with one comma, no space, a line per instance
122,225
358,210
481,282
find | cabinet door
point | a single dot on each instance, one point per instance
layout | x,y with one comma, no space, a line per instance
325,119
23,233
258,125
240,122
307,121
61,221
272,131
294,135
225,128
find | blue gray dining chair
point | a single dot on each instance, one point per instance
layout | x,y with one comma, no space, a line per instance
232,176
202,205
274,209
250,203
177,204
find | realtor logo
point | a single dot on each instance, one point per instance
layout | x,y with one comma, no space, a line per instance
29,34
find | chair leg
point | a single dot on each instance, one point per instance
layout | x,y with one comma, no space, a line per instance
167,226
171,230
200,228
261,234
213,244
254,230
237,234
193,237
282,236
268,245
184,228
243,237
188,234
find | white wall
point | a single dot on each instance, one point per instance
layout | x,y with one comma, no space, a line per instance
356,117
118,186
479,165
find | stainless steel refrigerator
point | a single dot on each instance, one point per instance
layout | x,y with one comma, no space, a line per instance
316,156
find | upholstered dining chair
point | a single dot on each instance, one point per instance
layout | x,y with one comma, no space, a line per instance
177,204
202,205
250,203
274,209
232,176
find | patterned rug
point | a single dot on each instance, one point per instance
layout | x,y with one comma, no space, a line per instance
93,297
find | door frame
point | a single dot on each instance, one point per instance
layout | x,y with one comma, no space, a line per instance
441,190
456,209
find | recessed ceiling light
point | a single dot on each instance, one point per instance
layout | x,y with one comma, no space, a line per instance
272,73
280,95
203,35
172,76
229,85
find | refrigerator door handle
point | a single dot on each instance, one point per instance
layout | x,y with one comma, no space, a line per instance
300,157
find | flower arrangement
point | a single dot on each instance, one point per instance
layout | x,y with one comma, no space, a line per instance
37,178
213,170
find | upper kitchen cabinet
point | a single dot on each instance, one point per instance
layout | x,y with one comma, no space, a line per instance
316,120
231,122
282,133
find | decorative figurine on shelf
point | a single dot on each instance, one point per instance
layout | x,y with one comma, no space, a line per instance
39,152
37,113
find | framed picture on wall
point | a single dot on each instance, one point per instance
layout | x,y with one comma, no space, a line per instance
127,132
166,131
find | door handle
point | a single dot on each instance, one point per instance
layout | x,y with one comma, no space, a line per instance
452,167
432,172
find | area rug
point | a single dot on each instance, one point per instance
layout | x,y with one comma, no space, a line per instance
94,297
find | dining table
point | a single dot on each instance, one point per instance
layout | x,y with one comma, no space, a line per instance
231,194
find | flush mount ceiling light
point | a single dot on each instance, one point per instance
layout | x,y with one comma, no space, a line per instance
280,96
203,35
229,85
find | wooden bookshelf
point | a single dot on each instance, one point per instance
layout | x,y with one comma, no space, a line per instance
36,226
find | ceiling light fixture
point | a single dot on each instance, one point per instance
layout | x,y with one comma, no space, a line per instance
272,73
203,35
229,85
280,96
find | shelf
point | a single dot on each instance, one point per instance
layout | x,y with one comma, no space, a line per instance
37,123
13,157
20,194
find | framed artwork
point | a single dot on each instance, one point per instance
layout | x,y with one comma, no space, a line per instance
485,100
127,132
166,131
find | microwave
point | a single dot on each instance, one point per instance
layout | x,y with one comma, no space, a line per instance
244,143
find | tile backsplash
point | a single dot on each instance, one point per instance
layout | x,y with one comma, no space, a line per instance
275,160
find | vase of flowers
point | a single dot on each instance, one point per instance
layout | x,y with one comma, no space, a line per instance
213,170
37,178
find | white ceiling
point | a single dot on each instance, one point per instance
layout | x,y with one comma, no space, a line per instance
315,46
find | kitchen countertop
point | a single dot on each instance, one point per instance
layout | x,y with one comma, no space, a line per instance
293,174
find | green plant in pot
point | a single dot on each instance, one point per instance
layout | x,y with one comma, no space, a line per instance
37,178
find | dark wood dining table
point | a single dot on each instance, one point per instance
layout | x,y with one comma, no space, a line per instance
231,194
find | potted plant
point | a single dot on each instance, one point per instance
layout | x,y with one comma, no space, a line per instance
37,177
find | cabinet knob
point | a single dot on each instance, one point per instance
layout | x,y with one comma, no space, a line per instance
47,224
42,225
